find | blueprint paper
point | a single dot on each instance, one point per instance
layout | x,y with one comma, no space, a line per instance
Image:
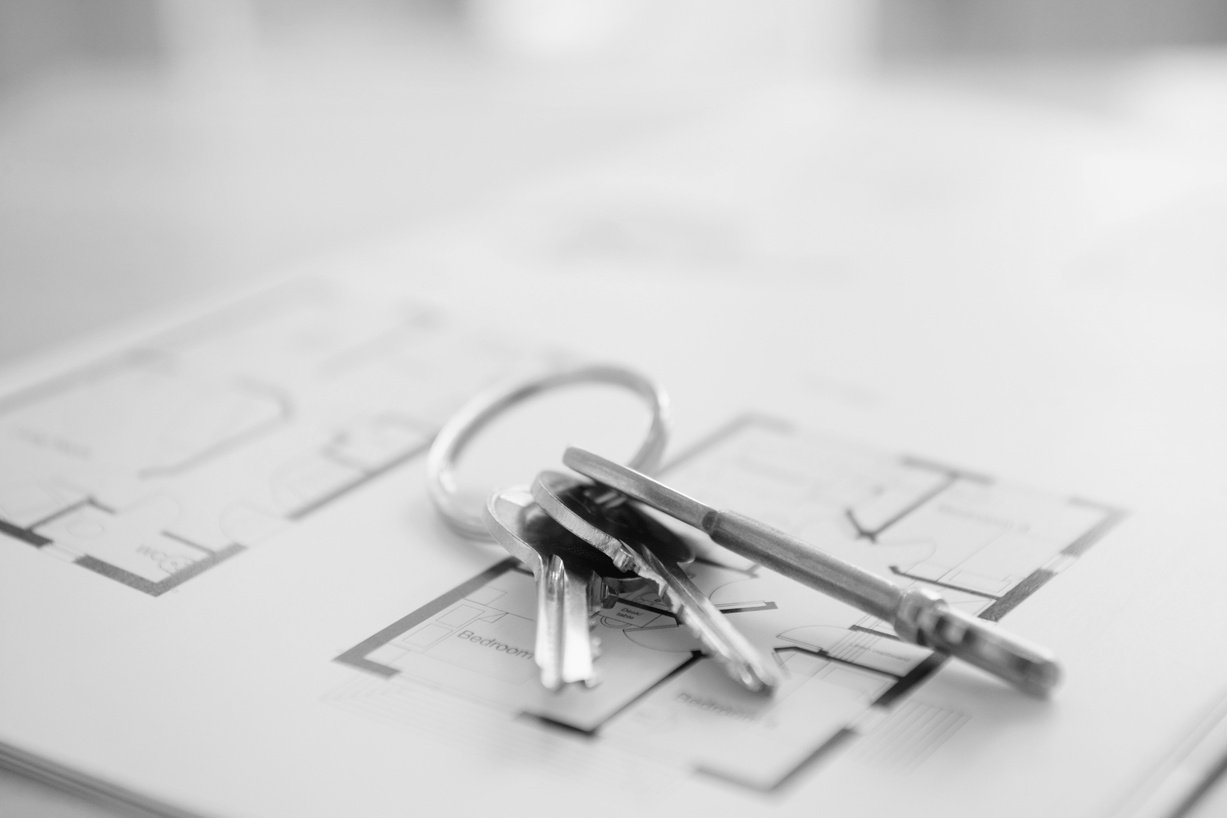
312,618
223,590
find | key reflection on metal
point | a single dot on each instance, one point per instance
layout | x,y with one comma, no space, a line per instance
918,616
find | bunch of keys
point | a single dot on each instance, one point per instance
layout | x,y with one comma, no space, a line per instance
584,543
585,538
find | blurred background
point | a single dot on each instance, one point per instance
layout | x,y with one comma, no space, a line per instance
154,150
157,151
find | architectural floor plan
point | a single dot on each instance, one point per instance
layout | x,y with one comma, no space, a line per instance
159,462
984,545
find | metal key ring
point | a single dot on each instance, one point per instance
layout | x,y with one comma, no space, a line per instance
460,429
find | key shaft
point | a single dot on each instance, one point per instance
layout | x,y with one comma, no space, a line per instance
802,562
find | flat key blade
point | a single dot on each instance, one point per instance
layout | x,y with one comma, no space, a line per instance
578,647
727,645
566,582
548,652
564,635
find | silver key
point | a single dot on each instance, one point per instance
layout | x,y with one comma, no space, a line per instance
637,543
570,587
919,616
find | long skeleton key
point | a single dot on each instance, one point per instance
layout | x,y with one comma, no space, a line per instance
919,616
570,586
635,542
